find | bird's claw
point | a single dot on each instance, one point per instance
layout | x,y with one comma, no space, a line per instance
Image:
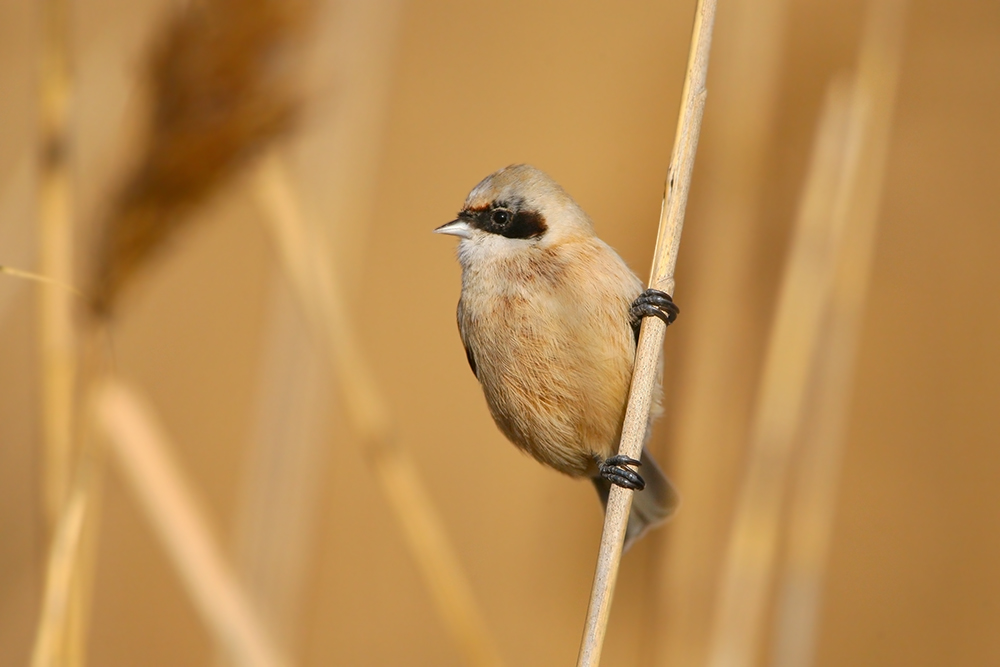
653,303
615,470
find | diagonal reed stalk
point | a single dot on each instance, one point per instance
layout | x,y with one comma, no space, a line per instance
142,450
315,285
805,290
814,493
651,335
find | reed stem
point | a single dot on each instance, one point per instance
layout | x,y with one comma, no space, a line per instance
62,629
56,258
651,335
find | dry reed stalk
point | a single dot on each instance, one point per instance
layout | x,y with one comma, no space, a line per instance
63,629
714,374
804,295
814,493
651,335
55,205
317,289
222,88
143,452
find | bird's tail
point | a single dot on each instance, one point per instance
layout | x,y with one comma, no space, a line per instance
651,506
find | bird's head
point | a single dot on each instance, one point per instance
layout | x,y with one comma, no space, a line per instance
515,208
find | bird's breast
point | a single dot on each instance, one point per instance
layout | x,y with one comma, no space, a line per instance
554,360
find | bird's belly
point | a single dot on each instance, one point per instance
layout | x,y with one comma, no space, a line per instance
555,391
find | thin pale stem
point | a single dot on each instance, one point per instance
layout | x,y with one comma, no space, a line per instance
39,278
651,335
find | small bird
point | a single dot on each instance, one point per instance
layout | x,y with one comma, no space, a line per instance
549,316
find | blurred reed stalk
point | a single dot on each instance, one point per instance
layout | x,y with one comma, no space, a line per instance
61,633
283,482
55,209
315,285
650,345
814,492
283,485
715,375
142,450
817,241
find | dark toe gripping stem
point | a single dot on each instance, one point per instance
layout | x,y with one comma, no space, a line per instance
652,303
616,471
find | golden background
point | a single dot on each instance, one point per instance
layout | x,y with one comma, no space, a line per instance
408,106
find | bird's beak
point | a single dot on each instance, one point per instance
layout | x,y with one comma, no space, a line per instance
457,227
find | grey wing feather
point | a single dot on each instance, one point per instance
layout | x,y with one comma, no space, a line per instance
461,333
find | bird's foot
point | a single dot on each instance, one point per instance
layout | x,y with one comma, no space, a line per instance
615,470
652,303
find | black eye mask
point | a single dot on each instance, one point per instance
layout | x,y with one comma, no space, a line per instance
508,220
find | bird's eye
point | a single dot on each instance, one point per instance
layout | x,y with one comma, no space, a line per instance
500,216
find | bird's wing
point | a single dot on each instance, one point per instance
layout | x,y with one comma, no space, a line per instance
465,344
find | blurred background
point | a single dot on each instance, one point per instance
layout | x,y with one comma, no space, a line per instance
401,107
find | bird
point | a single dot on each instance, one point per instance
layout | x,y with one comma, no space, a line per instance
549,316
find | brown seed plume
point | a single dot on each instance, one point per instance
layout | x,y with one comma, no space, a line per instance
221,88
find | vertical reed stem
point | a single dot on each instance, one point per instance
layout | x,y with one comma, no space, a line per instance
651,336
60,636
55,258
